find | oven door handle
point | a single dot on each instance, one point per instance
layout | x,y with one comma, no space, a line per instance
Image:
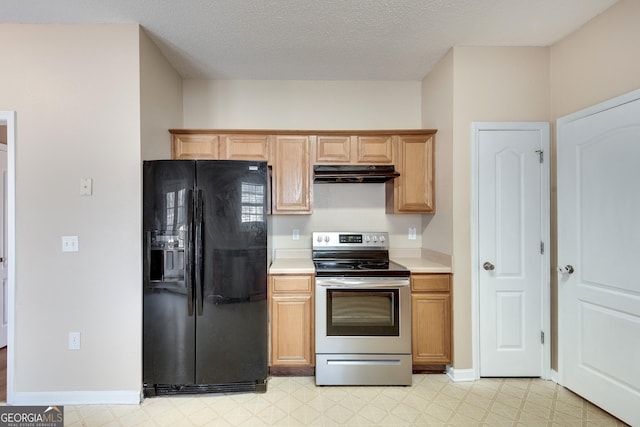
361,283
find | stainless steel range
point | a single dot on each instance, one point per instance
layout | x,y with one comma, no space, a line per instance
363,311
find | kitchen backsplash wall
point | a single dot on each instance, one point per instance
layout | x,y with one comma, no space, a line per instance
345,207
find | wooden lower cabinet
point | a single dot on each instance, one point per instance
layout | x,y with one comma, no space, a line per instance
291,326
431,321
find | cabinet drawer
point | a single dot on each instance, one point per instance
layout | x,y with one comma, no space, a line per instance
430,283
292,284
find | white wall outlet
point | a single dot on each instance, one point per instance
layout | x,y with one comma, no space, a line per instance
74,340
69,243
86,186
295,234
412,233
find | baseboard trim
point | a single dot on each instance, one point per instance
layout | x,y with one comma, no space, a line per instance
461,375
126,397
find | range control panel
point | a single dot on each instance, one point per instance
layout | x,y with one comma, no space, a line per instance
350,240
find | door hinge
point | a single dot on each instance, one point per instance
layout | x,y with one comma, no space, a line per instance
541,154
541,337
541,248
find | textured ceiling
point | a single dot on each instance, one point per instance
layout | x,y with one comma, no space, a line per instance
319,39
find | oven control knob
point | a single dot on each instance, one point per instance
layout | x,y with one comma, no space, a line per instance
326,239
319,238
367,239
381,239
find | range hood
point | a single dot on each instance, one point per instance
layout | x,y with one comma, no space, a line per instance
353,173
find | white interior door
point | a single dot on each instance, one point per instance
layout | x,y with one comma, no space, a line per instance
599,253
4,280
512,234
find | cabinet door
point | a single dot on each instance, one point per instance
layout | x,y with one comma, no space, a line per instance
413,190
244,147
431,328
292,175
374,149
195,146
333,149
291,342
341,149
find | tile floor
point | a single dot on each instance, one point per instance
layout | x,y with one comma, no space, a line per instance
432,400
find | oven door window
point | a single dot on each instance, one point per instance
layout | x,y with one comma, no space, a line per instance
362,312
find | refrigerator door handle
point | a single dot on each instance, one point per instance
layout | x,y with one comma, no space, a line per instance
199,251
189,257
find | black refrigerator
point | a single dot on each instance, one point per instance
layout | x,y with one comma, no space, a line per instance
205,276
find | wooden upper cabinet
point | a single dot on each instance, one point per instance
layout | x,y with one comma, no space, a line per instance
374,149
353,149
202,144
244,147
189,146
413,191
292,154
292,175
333,149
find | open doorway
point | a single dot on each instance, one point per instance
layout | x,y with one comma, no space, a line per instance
7,249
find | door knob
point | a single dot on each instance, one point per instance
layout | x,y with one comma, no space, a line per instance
488,266
568,269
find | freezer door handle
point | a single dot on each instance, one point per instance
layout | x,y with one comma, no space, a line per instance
199,251
147,259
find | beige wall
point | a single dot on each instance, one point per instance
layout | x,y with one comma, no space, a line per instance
598,62
161,100
293,104
437,113
76,92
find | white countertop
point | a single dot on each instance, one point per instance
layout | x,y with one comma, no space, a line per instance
417,261
422,265
292,266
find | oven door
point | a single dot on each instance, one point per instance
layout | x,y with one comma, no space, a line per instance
363,315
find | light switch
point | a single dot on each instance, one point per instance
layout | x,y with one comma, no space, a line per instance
86,186
69,243
295,234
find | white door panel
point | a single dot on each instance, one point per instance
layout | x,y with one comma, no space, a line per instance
4,271
510,229
599,236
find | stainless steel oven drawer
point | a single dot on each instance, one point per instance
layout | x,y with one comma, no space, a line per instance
363,369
